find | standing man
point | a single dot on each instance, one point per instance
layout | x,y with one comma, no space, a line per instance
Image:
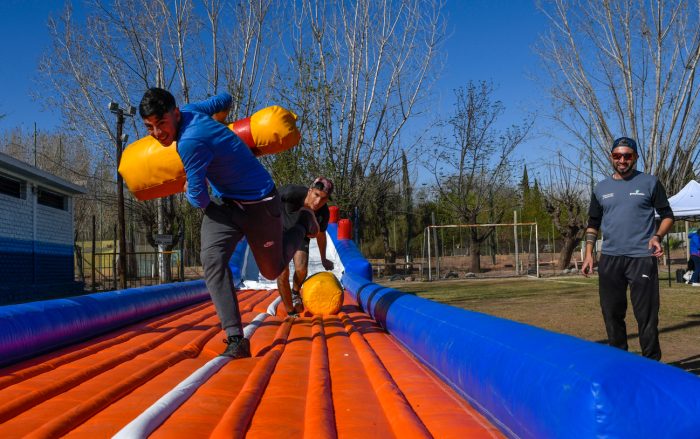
694,239
295,198
623,207
245,202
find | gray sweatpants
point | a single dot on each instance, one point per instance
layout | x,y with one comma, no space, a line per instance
222,227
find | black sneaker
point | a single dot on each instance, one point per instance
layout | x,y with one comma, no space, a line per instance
307,218
238,347
297,302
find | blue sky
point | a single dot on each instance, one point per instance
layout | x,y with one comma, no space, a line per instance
489,40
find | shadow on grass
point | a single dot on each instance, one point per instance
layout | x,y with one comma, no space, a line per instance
690,364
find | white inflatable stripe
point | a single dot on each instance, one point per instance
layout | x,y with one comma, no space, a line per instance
272,309
144,424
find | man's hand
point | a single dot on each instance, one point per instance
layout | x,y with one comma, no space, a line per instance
328,265
221,116
656,247
587,266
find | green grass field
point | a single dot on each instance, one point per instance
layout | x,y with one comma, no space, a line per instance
570,305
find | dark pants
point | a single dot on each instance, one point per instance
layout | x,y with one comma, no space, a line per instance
641,274
695,278
222,227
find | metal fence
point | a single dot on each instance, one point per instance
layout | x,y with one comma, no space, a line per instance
99,270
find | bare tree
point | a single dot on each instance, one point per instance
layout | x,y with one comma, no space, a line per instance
247,54
564,200
111,58
476,167
623,67
357,72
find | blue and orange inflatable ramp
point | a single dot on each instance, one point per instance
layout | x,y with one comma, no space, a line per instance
144,363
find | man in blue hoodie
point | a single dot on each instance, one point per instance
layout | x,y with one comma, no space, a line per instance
245,201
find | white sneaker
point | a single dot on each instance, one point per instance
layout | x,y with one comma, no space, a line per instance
696,284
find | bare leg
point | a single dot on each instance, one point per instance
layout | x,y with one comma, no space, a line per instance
301,267
285,291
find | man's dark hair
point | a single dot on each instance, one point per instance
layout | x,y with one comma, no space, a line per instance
156,101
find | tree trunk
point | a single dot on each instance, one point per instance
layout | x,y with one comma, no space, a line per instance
389,253
567,250
475,252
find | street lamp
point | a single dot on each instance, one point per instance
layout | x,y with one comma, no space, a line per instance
121,231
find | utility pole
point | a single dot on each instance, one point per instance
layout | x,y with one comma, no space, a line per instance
35,144
121,229
590,149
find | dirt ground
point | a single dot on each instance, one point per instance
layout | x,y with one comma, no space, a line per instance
569,305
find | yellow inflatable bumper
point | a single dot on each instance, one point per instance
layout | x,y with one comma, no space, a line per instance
151,170
322,294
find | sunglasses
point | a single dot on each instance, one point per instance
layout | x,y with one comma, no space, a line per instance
626,156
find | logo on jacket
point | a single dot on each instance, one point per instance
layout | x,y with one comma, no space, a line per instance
610,195
637,193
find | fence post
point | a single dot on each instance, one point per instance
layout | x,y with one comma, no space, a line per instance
114,259
515,236
94,287
182,255
437,248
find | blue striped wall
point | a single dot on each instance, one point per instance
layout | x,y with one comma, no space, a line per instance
31,268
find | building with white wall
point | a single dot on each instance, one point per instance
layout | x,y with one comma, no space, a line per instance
36,233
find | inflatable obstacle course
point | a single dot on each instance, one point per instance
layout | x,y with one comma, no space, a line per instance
335,375
151,170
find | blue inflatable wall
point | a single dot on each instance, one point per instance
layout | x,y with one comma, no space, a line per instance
352,259
30,329
530,382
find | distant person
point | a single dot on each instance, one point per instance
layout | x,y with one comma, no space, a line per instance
294,199
623,207
694,239
245,201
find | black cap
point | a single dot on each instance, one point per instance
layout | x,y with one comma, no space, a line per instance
625,141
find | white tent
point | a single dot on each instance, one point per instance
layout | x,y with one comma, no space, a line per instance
686,206
686,203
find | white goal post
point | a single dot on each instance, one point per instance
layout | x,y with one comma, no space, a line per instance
430,245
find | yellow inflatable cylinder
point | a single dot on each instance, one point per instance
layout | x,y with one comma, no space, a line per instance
268,131
322,294
151,170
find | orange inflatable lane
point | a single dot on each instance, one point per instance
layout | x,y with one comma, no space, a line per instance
119,413
323,376
77,387
404,421
19,400
72,418
319,419
444,413
46,363
356,407
281,408
235,421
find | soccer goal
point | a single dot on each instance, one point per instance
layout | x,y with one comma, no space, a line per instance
480,250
